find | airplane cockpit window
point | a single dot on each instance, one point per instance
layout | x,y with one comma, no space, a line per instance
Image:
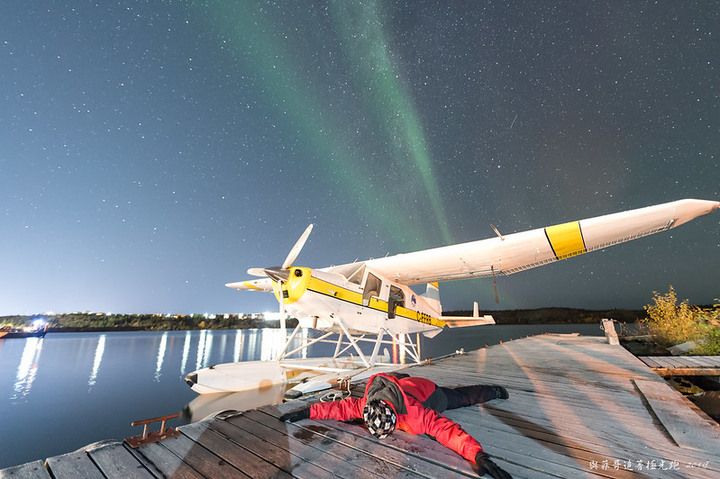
353,272
356,276
372,288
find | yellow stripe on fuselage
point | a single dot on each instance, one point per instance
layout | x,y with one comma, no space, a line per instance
419,317
328,289
333,290
566,239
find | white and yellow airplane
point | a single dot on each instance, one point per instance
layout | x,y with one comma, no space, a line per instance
369,300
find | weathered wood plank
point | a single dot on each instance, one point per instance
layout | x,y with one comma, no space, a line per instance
360,450
157,458
684,425
74,465
332,456
662,362
674,361
201,459
714,360
115,460
624,395
697,361
568,363
231,453
558,458
31,470
590,432
562,401
610,333
539,384
545,448
650,361
275,447
683,365
597,424
420,453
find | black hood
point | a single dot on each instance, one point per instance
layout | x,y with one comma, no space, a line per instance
385,389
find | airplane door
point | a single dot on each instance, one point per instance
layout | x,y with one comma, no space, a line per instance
396,298
372,288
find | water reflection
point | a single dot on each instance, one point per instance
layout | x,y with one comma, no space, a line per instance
204,349
99,352
207,404
27,370
185,353
271,344
223,345
252,340
239,345
161,355
399,349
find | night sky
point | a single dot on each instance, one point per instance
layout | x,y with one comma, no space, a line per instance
152,151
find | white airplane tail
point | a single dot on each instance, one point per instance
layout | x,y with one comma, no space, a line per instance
464,321
432,298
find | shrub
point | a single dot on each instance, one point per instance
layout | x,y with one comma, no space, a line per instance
710,327
672,323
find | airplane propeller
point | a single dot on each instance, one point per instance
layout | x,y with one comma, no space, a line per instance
291,257
295,251
282,273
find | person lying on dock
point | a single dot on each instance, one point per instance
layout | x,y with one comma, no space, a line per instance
413,405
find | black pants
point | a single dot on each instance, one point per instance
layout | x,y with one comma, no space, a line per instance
453,398
468,395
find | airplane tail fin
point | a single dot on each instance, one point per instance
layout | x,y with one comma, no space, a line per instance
432,297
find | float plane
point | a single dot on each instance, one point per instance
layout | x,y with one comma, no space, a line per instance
371,301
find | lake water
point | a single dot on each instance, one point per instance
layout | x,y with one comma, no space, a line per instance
68,390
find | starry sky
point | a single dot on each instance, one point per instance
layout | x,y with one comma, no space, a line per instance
151,151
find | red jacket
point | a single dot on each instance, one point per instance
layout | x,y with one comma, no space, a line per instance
406,397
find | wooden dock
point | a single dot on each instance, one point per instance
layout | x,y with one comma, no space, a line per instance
683,365
578,407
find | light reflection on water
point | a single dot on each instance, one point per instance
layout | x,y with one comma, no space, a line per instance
239,344
139,375
27,369
186,353
161,355
99,352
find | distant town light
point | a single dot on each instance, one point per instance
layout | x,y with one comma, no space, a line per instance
39,324
272,316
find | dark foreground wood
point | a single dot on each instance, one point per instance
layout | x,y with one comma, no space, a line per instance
578,407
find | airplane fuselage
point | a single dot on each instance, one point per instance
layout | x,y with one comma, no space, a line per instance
374,298
321,300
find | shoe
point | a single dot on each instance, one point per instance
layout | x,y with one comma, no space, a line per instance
501,392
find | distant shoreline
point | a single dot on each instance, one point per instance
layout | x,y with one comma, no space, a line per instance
100,322
559,315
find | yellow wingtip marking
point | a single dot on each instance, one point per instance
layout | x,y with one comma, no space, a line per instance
250,285
566,239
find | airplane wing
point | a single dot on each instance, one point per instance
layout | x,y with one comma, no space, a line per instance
529,249
262,284
504,255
